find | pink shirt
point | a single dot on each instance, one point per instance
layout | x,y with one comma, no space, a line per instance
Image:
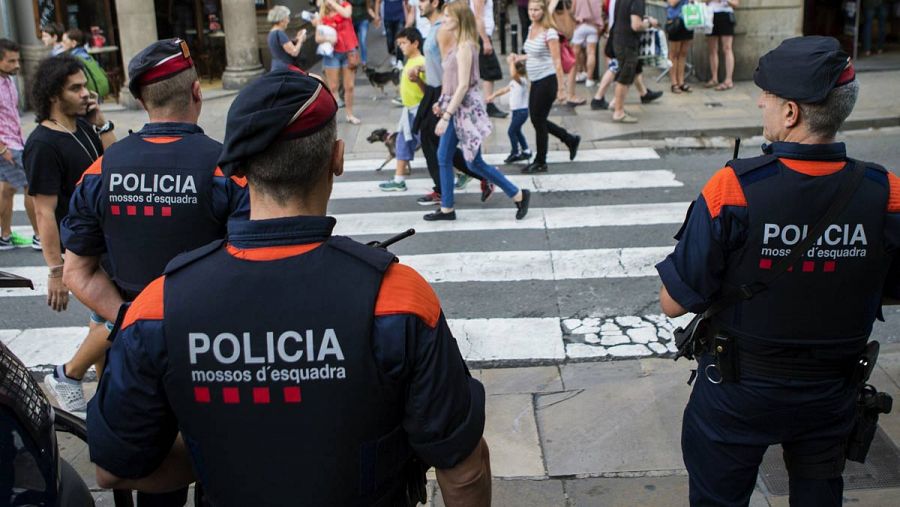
590,11
10,125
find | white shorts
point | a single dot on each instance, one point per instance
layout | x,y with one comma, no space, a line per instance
585,34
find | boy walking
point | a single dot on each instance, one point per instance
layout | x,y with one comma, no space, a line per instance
412,90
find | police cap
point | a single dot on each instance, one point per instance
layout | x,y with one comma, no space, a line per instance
160,60
804,69
281,105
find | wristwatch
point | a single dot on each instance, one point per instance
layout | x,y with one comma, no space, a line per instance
107,127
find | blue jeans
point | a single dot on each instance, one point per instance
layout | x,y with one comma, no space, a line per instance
362,30
446,148
516,137
881,12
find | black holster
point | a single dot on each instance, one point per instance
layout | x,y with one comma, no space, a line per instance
416,482
869,405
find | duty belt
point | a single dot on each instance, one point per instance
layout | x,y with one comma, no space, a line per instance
732,363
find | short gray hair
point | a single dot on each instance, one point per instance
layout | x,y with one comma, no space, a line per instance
291,168
278,14
827,117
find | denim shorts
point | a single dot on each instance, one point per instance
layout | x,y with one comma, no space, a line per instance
97,319
14,173
335,61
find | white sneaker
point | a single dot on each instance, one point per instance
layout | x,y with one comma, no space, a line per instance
589,83
69,396
580,77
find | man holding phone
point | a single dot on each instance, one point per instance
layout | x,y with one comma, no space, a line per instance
71,134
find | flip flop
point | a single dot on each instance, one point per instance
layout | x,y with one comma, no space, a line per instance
675,89
686,88
574,103
724,86
710,84
353,120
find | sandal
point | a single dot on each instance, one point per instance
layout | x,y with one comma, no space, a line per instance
675,89
576,102
353,120
686,88
626,118
710,84
724,86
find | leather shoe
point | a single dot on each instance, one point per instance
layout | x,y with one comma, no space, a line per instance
573,143
523,204
440,215
534,167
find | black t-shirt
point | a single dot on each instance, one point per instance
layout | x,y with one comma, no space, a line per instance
622,32
54,161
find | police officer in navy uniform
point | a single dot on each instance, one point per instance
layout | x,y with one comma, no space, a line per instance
790,348
152,195
288,366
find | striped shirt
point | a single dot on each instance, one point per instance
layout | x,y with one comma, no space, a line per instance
10,126
539,63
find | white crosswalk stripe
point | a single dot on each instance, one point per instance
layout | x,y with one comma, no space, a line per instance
554,157
504,339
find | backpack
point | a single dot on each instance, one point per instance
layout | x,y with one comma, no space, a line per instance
97,80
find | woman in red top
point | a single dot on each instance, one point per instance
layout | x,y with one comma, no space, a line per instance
337,15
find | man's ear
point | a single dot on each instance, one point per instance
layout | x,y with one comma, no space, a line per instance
791,114
337,158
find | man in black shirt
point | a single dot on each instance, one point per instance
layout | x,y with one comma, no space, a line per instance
628,24
71,136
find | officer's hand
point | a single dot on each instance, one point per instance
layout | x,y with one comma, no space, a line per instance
57,294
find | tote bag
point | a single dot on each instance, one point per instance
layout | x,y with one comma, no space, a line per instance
694,16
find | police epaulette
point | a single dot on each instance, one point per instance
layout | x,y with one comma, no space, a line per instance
743,166
183,259
378,258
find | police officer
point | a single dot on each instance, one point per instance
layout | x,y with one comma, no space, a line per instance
298,366
152,195
776,364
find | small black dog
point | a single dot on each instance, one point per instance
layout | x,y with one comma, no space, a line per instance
381,79
389,139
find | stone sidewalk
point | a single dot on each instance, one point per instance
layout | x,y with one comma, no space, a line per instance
603,433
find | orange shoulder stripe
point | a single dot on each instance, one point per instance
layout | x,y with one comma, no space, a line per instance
723,189
404,291
238,180
270,253
148,305
95,168
813,167
893,205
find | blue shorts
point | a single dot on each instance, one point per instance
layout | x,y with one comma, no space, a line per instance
13,173
335,61
97,319
406,148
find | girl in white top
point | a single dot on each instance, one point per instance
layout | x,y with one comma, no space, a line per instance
518,105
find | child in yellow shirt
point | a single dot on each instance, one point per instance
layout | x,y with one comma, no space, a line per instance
412,90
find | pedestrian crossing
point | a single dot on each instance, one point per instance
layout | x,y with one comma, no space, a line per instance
575,280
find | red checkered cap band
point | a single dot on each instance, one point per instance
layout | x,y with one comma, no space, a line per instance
167,68
312,116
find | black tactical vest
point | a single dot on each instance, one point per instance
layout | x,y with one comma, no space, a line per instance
273,381
832,295
157,204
